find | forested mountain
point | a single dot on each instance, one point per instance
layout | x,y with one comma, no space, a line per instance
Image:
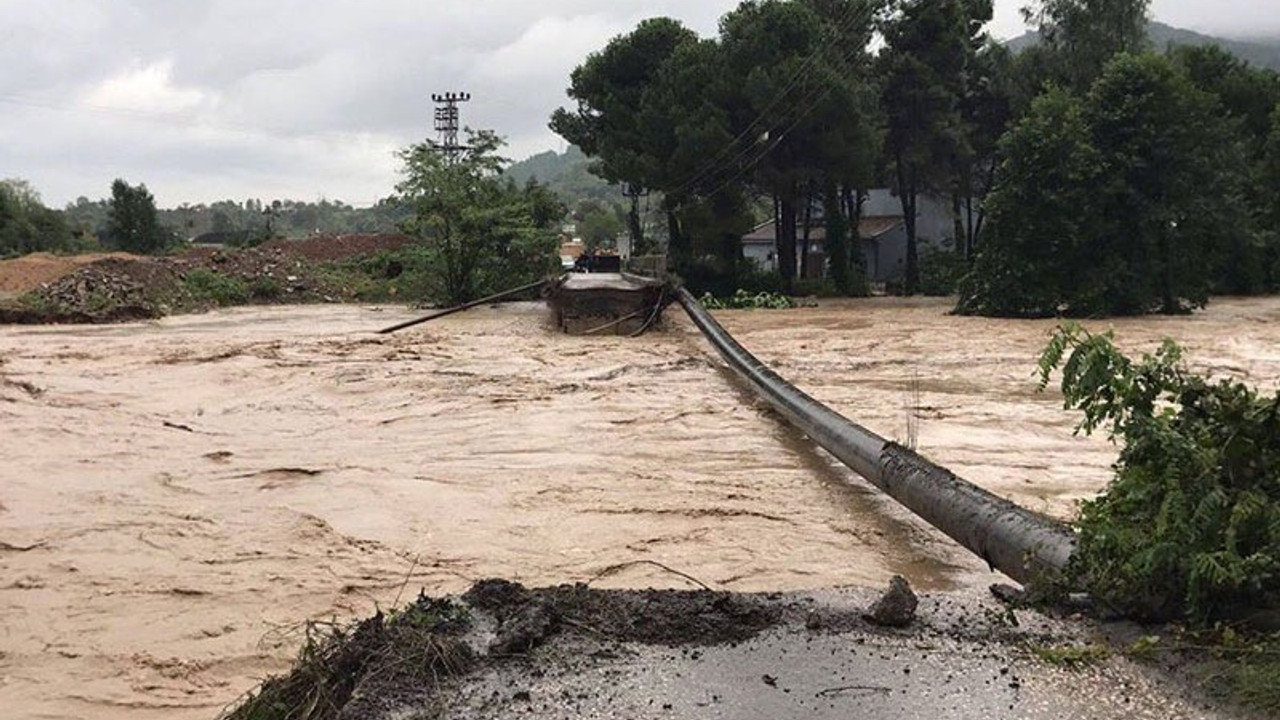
567,174
1260,53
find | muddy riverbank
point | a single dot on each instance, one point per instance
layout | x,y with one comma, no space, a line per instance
177,495
501,650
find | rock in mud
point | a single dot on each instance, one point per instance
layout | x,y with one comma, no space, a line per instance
897,607
528,628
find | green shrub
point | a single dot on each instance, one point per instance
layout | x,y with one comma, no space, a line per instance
940,270
214,287
265,289
744,300
1189,527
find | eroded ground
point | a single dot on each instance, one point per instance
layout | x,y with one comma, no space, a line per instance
175,496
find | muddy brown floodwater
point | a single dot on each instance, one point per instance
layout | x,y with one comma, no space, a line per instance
176,496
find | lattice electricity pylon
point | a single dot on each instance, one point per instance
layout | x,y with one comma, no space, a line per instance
447,123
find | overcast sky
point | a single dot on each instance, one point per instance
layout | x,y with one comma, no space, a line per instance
307,99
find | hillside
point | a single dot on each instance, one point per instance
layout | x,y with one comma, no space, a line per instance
1260,53
568,174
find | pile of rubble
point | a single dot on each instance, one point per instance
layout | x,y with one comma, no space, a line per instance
340,247
113,289
121,287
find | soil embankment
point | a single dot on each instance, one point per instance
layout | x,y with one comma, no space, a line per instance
177,495
115,287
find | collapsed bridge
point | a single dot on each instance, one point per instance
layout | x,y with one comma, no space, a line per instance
1023,545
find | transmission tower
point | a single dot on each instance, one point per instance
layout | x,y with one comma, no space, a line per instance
447,123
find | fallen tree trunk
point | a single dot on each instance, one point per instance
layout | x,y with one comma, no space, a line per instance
1021,544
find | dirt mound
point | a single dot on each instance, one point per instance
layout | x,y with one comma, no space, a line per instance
389,662
527,617
110,287
341,247
29,272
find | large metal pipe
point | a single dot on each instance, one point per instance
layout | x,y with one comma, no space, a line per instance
1017,542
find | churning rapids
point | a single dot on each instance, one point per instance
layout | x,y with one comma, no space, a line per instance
176,496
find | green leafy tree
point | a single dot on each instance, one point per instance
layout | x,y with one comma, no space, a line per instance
847,139
987,110
690,111
612,121
1170,202
1121,204
1036,259
132,222
781,102
1190,525
598,224
1246,97
928,50
479,232
1081,36
26,225
773,50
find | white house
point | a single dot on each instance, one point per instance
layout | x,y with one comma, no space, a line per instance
882,230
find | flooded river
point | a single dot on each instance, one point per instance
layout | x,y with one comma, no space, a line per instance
176,496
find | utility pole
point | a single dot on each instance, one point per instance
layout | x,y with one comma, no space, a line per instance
447,123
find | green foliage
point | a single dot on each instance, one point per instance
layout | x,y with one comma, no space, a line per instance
265,289
1190,525
1083,35
1033,260
479,233
213,287
132,222
26,225
781,100
599,224
930,47
1072,657
941,269
1122,203
745,300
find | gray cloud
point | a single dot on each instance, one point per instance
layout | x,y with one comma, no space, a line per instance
207,99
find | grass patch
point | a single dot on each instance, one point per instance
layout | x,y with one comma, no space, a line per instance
1072,657
1256,685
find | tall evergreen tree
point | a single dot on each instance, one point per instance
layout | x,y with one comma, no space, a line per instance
928,50
132,222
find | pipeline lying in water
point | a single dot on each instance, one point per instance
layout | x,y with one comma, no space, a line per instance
1021,544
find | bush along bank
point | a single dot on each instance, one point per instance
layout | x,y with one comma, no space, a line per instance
1188,530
